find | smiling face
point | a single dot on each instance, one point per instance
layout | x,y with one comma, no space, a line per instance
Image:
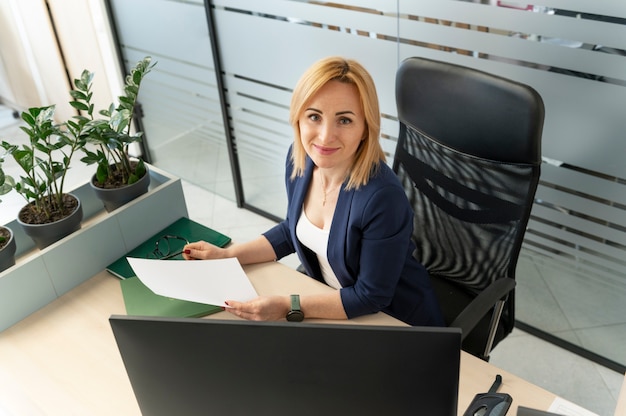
332,126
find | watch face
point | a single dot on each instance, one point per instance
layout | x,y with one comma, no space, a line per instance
295,316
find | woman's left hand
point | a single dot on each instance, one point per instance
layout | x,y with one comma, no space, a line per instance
265,308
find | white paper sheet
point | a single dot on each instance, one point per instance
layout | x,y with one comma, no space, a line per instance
204,281
564,407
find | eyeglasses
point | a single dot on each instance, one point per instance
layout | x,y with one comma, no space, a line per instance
167,246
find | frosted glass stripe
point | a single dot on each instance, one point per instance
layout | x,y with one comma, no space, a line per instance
572,222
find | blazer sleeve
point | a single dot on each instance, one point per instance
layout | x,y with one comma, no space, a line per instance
378,246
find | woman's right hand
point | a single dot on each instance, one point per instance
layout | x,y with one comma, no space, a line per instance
201,250
255,251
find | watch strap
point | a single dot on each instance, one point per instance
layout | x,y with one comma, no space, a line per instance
295,302
295,314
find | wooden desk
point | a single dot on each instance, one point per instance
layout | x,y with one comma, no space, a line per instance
620,410
63,359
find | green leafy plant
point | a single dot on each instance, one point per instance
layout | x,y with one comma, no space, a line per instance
45,161
111,135
6,182
6,185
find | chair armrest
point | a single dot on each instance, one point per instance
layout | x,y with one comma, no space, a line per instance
473,313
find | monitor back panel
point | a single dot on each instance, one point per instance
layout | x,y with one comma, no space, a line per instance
190,366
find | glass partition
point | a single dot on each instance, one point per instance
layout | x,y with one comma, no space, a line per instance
572,272
571,265
265,47
180,99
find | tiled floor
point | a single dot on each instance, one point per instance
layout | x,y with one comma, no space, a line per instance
568,375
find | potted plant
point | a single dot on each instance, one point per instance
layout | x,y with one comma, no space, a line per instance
7,240
119,178
49,214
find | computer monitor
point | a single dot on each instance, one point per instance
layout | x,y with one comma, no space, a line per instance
191,366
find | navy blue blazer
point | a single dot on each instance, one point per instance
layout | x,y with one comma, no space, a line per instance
369,248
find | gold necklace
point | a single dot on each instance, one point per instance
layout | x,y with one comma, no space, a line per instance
326,192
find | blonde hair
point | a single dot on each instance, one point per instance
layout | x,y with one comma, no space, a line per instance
370,153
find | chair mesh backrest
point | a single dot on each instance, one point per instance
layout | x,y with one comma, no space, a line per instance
470,213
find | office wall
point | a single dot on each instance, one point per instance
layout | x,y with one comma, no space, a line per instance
83,32
31,58
45,44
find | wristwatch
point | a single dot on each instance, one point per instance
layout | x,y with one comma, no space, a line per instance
295,314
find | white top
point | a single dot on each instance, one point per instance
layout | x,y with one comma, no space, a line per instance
316,240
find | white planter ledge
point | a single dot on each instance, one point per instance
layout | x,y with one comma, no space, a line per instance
40,276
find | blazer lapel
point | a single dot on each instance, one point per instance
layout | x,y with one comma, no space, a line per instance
338,237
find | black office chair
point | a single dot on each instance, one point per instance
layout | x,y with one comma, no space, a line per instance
469,155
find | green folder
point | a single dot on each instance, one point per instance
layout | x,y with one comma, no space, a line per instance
140,300
183,227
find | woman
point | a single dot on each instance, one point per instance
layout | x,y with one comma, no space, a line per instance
348,217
